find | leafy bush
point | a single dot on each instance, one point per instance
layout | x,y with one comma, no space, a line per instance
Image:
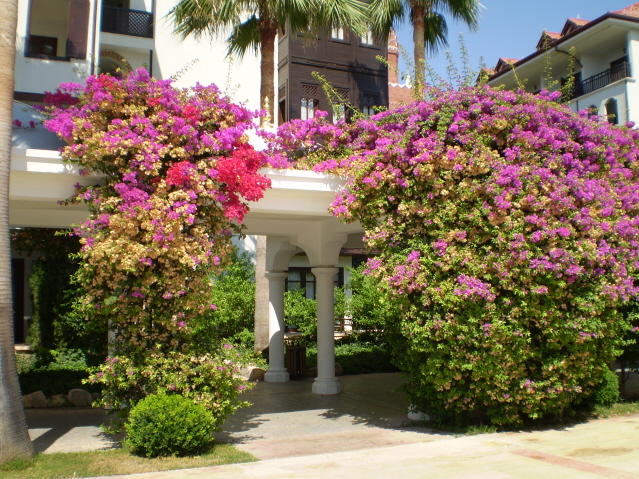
25,362
62,359
372,309
234,299
301,311
54,372
210,380
169,425
607,393
358,357
55,381
508,231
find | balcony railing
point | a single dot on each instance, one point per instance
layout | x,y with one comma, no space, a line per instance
125,21
616,72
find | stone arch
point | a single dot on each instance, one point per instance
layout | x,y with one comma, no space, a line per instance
113,63
612,111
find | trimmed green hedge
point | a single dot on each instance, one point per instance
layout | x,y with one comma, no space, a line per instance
51,381
358,358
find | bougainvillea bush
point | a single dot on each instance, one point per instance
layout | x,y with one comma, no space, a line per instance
177,175
508,230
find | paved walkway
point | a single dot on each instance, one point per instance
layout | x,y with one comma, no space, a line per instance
362,433
606,448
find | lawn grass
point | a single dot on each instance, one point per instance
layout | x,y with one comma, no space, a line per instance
113,461
617,409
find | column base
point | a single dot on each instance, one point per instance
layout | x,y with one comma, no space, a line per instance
276,376
326,386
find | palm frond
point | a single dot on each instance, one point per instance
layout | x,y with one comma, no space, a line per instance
244,37
383,14
464,10
435,31
198,17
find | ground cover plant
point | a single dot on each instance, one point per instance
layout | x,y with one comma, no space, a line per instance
508,232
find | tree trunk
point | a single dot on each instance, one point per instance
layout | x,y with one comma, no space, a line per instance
268,33
14,436
417,13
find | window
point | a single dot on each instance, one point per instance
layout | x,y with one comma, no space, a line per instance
303,278
58,29
309,107
368,103
337,33
40,46
611,111
367,39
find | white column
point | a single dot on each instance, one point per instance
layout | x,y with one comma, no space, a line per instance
276,373
325,382
632,86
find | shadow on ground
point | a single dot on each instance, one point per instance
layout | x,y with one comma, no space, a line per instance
288,419
68,429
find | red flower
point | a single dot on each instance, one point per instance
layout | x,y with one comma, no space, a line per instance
179,174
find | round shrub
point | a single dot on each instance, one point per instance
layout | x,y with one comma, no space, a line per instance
508,231
608,391
169,425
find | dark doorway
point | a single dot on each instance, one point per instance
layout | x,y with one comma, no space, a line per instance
17,287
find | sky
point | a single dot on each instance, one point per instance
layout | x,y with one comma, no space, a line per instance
508,28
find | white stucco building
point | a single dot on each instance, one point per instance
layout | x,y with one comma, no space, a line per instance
606,65
68,40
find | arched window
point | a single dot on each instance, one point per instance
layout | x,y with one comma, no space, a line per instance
611,111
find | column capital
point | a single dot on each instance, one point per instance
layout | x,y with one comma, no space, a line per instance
324,270
276,274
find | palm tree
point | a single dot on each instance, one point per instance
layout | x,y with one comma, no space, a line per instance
14,437
429,24
254,25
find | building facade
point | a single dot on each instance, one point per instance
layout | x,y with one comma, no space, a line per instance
349,62
605,65
68,40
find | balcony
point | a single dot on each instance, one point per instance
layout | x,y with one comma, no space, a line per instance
125,21
618,71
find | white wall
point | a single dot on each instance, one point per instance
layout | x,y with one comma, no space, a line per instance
599,98
50,18
144,5
204,61
37,75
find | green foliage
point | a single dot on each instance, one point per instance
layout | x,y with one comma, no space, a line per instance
607,393
53,371
49,278
341,307
169,425
55,381
301,311
25,362
234,298
211,380
358,357
58,322
62,360
371,308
